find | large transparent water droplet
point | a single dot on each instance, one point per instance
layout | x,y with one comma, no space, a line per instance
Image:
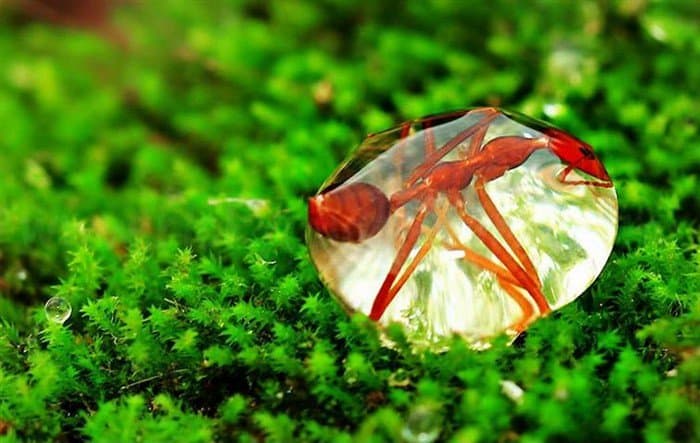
57,310
423,424
495,219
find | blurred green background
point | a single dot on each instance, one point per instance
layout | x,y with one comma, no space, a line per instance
155,158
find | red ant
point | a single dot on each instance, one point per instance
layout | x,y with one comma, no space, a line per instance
357,211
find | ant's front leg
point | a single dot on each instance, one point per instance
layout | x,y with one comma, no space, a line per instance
502,227
493,213
566,171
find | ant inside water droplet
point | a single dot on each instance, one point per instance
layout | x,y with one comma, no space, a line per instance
445,207
57,310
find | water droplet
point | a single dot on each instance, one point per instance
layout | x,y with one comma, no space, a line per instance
554,110
399,378
422,425
57,310
257,206
512,391
21,275
530,240
561,393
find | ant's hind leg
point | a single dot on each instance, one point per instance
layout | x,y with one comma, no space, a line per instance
429,138
525,306
504,278
499,222
478,259
521,275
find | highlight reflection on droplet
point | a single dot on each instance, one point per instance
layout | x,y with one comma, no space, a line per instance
57,310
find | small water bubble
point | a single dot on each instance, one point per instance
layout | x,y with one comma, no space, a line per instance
57,310
323,93
561,393
257,206
422,425
511,390
399,378
554,110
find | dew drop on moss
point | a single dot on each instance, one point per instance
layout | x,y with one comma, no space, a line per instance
422,424
57,310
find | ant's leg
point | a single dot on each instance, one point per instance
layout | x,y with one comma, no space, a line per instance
506,281
429,122
477,132
382,300
505,231
478,259
405,130
432,159
398,159
391,286
525,305
429,138
504,278
422,252
562,179
475,142
500,252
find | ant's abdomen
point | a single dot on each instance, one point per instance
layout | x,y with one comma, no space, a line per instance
350,213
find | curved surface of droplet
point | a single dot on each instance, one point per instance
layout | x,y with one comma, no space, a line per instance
58,310
423,424
546,186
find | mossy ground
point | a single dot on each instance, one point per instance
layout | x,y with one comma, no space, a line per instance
195,321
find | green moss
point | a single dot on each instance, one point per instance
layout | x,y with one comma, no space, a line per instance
197,318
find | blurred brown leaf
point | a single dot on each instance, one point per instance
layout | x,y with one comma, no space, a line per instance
92,15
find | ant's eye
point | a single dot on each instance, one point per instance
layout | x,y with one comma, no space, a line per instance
586,152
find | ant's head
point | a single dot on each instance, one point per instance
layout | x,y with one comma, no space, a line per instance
575,153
